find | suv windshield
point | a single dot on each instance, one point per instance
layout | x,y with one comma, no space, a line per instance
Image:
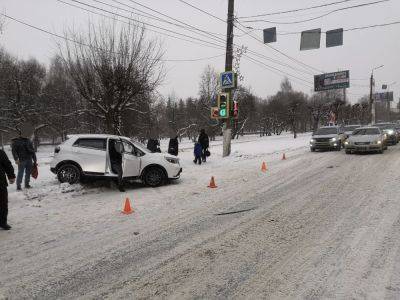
386,126
140,147
366,131
325,131
351,128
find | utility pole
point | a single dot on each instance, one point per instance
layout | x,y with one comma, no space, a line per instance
371,100
228,67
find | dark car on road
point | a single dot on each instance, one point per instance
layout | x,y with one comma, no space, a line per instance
389,129
327,138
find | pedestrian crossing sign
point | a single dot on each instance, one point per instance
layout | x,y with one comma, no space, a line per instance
228,80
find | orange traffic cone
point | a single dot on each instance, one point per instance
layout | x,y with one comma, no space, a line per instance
212,184
284,156
264,167
127,207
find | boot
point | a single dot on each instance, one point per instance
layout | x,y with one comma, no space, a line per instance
5,226
19,188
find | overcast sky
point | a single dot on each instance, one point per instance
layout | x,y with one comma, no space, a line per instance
362,50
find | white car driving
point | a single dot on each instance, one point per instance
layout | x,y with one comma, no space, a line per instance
88,155
366,139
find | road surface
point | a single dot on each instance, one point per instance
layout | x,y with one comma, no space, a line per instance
316,226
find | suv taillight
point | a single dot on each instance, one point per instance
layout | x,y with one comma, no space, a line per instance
57,149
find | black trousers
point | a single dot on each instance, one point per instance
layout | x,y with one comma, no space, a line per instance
3,205
116,167
203,154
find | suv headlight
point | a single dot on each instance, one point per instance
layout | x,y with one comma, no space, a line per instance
333,139
172,160
312,141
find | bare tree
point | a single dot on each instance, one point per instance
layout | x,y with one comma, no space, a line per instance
115,69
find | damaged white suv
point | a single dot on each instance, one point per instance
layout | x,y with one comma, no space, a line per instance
89,156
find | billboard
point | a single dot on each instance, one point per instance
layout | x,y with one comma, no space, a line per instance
386,96
331,81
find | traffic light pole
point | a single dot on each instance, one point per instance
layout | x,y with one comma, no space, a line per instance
228,67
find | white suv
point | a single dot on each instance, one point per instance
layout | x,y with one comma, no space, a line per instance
88,156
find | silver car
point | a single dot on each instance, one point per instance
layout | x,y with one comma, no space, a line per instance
366,139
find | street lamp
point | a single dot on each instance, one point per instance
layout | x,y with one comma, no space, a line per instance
371,100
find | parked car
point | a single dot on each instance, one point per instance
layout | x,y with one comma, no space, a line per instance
327,138
348,130
392,136
89,156
366,139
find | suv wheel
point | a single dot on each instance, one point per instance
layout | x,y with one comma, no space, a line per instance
69,173
153,177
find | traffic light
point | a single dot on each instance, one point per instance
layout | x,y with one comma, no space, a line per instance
235,109
214,112
223,105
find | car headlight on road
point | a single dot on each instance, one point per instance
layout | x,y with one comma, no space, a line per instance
312,141
390,131
172,160
333,139
379,142
346,142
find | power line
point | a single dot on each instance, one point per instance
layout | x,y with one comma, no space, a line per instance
247,33
89,46
295,10
282,53
144,23
172,18
151,16
255,53
194,41
276,70
349,29
206,12
319,17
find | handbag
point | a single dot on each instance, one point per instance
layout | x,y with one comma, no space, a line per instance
35,171
208,153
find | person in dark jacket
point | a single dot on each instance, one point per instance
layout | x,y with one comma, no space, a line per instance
153,145
205,143
25,157
6,171
197,153
115,151
173,146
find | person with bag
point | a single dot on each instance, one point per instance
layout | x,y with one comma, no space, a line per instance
205,143
6,171
173,146
25,158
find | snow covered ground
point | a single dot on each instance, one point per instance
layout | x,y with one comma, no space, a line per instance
318,225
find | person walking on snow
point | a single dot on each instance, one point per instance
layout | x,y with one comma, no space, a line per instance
197,153
173,146
116,150
205,143
25,157
6,171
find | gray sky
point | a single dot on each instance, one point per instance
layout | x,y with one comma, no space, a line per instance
362,50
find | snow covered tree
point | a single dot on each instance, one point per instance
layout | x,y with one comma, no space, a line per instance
114,68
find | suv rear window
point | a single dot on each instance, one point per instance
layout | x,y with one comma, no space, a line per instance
99,144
